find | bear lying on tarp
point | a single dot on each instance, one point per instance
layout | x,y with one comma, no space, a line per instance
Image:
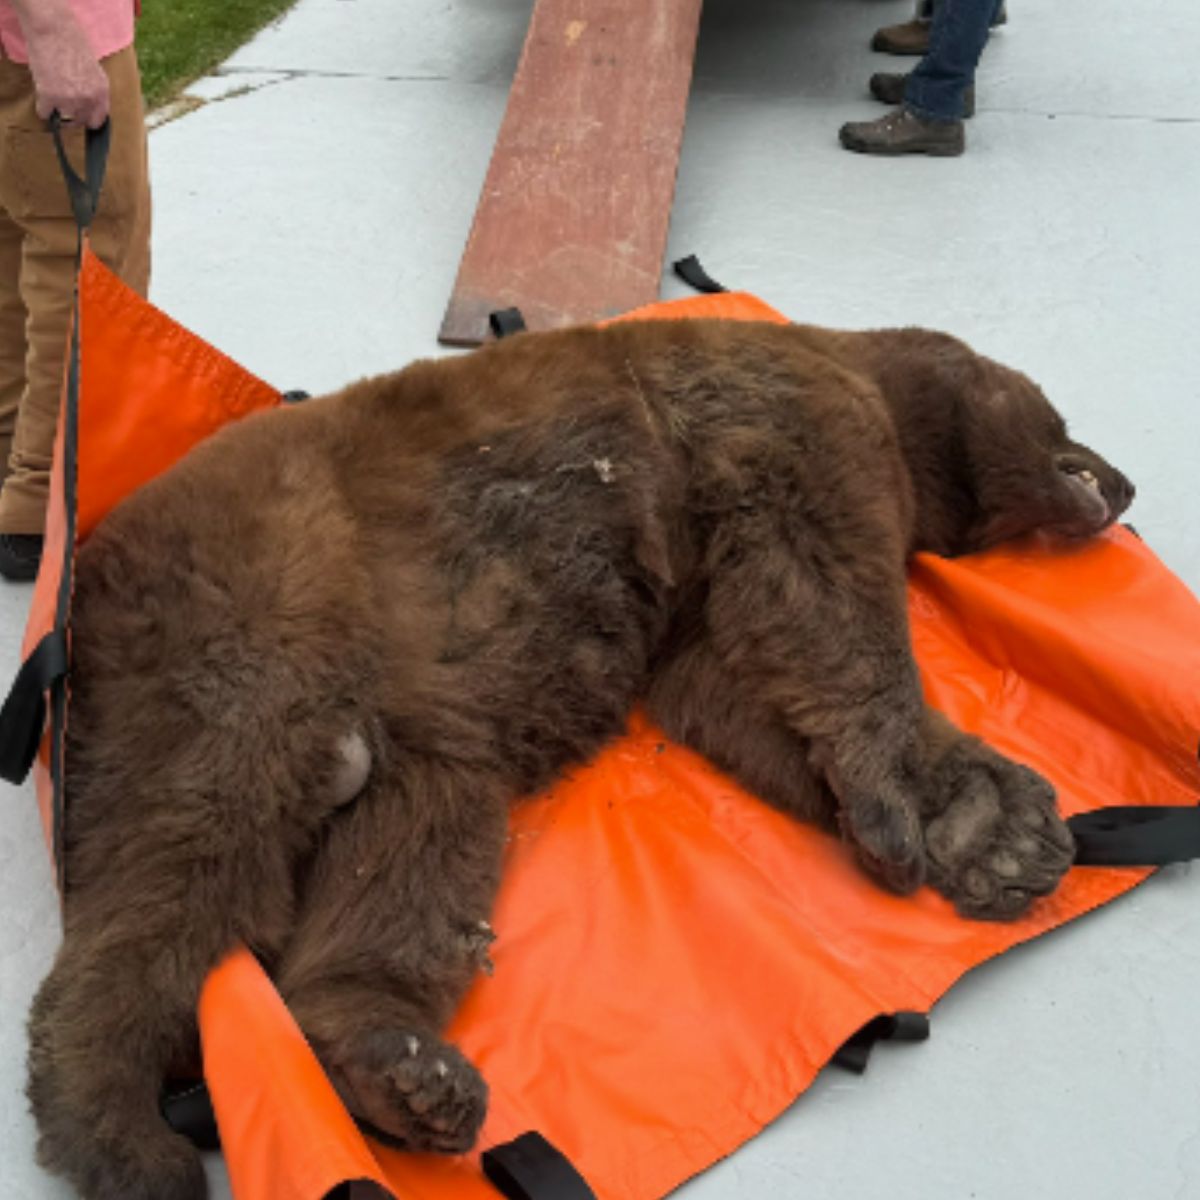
316,661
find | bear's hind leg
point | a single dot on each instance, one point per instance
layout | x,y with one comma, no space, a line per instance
393,928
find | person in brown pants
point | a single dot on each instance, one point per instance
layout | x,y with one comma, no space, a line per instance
75,57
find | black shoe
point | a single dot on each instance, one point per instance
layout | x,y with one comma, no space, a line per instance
20,556
889,88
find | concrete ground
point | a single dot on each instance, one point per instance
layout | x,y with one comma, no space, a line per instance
309,220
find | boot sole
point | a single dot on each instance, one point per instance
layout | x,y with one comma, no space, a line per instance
930,150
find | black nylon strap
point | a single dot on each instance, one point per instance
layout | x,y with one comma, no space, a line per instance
66,582
84,202
23,716
506,321
84,193
1133,836
890,1027
529,1168
692,273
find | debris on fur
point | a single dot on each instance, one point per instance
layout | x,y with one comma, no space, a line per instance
477,940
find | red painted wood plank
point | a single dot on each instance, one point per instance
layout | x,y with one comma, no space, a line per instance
572,222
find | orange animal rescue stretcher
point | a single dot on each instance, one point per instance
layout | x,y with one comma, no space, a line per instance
675,961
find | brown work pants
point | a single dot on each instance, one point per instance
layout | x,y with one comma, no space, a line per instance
37,266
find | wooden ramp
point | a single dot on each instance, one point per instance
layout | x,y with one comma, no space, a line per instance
572,222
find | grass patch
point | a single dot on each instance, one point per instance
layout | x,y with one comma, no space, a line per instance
180,40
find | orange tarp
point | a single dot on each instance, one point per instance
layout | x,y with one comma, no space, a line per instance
676,961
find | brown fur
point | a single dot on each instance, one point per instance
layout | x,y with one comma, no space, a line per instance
454,581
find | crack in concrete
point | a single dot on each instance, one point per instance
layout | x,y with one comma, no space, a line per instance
186,103
316,73
291,73
173,110
1091,116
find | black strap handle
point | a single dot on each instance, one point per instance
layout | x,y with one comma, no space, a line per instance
692,273
530,1168
23,716
84,193
889,1027
505,322
1136,836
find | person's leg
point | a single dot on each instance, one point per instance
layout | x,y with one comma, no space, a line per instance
120,235
12,334
936,93
46,282
36,197
888,88
958,34
17,561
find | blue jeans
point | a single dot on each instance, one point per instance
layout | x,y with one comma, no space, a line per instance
957,36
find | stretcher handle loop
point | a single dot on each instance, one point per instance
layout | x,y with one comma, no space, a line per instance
692,273
505,322
1136,836
530,1168
23,716
854,1054
84,193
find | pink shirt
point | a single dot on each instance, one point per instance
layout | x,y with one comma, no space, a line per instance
107,23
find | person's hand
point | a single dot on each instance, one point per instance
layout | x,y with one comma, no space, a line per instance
66,76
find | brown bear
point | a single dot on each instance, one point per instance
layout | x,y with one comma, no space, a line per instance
316,662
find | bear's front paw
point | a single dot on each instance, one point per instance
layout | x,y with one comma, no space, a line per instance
997,841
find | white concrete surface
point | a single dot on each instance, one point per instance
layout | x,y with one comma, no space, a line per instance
309,219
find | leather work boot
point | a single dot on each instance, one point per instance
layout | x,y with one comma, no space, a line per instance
889,88
903,132
912,37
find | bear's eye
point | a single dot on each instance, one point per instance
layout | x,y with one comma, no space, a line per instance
1080,472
